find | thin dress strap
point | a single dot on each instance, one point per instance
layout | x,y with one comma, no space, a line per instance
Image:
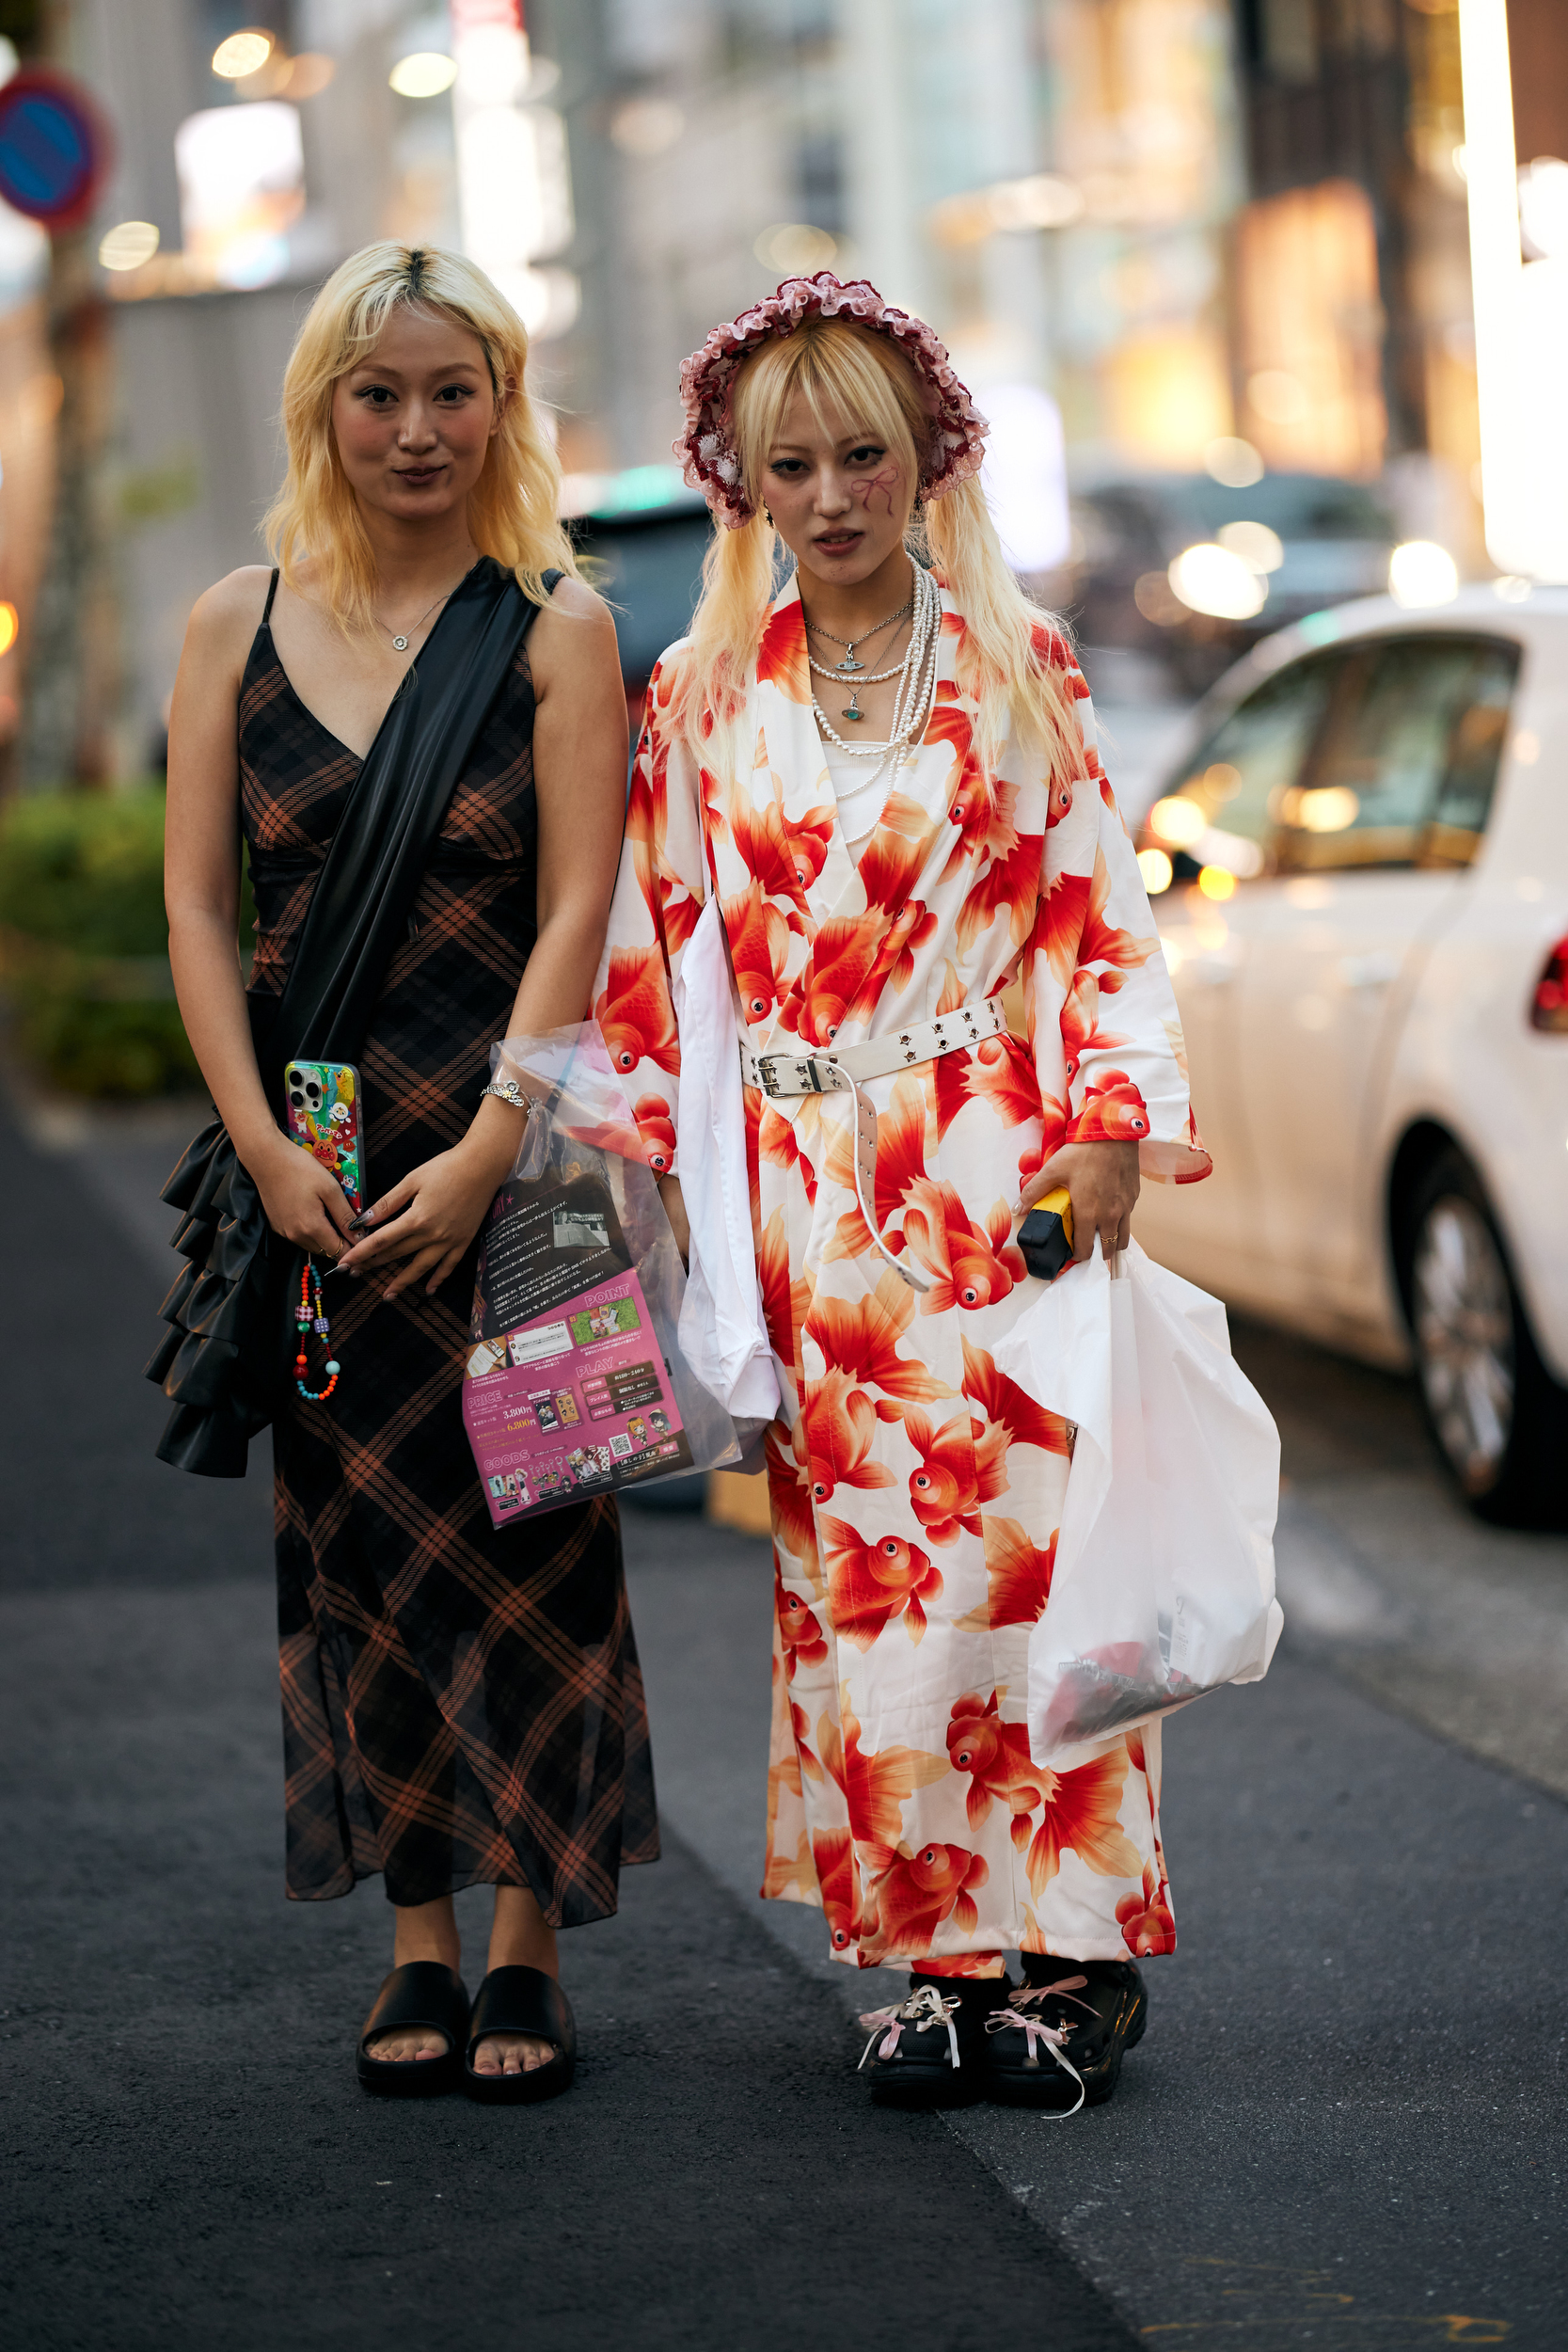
552,579
272,591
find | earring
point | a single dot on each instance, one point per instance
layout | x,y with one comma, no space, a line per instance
768,518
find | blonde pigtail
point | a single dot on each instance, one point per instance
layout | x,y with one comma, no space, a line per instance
999,661
738,588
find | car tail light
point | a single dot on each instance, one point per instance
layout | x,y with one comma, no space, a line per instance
1549,1010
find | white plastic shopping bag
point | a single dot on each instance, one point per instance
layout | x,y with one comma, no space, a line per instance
724,1336
1164,1579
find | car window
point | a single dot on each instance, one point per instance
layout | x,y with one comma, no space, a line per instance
1402,771
1258,753
1453,833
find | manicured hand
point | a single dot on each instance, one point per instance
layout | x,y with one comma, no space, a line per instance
424,1225
304,1201
1101,1180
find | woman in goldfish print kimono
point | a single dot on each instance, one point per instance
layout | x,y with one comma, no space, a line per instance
915,1490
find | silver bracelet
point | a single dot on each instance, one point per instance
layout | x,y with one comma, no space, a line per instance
508,1090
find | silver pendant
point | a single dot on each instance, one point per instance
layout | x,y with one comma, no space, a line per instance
850,663
852,711
400,645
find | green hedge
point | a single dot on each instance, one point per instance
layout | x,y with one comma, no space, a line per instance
83,941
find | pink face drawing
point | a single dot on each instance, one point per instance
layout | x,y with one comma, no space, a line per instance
879,492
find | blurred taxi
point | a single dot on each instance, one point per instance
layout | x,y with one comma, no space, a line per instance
1359,869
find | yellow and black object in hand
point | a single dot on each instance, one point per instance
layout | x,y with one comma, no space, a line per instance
1045,1236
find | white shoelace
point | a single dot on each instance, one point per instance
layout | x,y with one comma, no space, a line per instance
923,2008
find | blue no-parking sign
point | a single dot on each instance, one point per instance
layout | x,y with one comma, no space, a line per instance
54,148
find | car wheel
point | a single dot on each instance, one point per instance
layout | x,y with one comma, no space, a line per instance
1499,1419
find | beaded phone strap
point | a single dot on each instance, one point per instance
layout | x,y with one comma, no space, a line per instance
312,1317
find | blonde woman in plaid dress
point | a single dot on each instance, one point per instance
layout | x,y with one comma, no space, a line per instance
460,1705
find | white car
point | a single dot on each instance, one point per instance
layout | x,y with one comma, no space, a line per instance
1364,854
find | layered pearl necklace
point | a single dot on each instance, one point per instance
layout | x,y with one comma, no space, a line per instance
912,710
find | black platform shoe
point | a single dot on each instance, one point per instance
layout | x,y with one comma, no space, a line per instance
930,2051
1059,2040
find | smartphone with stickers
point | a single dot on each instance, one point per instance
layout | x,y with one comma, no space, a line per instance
323,1105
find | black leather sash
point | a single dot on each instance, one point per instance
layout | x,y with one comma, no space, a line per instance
231,1343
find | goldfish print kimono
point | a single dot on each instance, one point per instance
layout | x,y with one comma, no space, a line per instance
915,1490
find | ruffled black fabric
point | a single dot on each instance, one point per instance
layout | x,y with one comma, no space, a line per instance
219,1362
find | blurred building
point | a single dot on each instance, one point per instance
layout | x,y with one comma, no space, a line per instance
1151,225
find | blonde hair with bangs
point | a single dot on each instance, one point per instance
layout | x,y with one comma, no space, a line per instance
511,508
863,376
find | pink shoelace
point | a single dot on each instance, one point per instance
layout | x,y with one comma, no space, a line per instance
1035,2030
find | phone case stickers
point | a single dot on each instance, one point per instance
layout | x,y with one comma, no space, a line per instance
322,1106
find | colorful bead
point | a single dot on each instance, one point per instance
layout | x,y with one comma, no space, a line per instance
313,1316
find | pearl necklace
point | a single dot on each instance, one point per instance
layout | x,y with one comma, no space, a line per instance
912,706
873,677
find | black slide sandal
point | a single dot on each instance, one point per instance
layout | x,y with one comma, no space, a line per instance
421,1992
522,2000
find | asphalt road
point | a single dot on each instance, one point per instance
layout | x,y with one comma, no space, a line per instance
1346,2126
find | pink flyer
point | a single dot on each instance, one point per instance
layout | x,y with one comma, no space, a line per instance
565,1391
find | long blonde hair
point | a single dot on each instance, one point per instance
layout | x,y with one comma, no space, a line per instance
863,376
511,508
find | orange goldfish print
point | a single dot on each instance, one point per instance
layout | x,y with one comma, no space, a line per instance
870,1584
876,1785
1146,1921
1017,1574
841,1426
799,1635
839,1882
996,1758
782,653
1003,1400
862,1337
919,1889
1080,1030
961,1465
1113,1113
834,981
635,1013
759,943
1081,1817
971,1266
783,857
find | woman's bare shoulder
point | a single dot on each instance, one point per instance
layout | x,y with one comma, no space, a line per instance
225,617
574,633
576,601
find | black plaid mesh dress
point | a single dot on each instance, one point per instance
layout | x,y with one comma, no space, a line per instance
461,1703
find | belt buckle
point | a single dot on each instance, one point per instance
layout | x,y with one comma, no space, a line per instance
807,1079
777,1089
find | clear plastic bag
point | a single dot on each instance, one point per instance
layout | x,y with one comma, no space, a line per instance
574,1382
1163,1581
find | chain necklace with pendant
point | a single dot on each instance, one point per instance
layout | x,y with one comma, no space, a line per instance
400,645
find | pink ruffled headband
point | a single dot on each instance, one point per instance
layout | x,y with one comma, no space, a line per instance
706,448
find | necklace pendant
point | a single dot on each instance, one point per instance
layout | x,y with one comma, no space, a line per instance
400,645
849,665
852,709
